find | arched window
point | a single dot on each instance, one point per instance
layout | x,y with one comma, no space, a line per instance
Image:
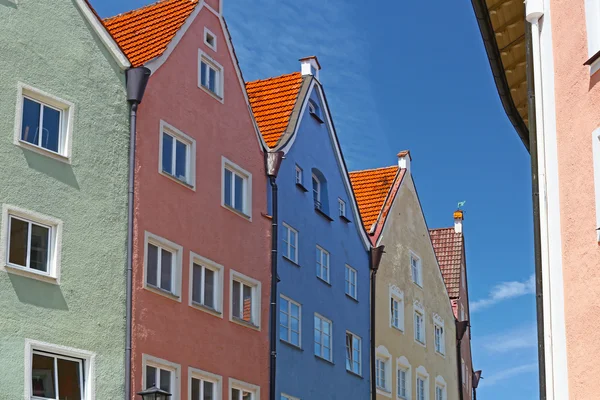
383,373
403,383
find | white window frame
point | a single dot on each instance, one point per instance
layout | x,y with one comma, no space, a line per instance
201,375
256,299
67,110
178,136
382,354
420,310
289,246
438,326
248,387
353,335
419,267
299,175
440,383
402,364
316,189
289,327
341,208
55,243
322,266
175,369
397,295
219,95
207,33
247,176
322,345
592,23
219,270
88,367
421,373
288,397
354,272
177,250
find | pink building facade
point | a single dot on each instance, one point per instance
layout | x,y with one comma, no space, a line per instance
201,260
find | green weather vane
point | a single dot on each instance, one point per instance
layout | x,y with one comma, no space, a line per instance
461,204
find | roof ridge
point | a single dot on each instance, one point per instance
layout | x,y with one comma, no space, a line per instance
374,169
273,77
439,229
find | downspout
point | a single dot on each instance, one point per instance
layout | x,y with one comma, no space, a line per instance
534,11
375,254
461,329
273,164
137,79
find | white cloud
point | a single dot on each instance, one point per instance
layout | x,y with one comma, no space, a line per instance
514,339
504,291
508,373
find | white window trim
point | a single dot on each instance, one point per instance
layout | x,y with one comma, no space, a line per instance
382,352
318,191
295,259
207,376
441,383
212,47
596,159
66,134
341,207
54,261
166,365
321,317
190,183
328,280
398,295
241,385
288,397
403,364
438,322
299,169
422,373
220,95
89,364
355,283
220,271
299,345
419,281
592,24
256,304
177,251
418,308
360,352
230,165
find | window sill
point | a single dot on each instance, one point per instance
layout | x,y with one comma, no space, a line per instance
212,94
30,273
398,329
301,187
291,261
162,292
384,392
324,281
206,309
420,343
293,346
345,219
327,217
324,359
594,63
354,374
440,354
42,151
351,298
177,180
247,324
315,116
238,212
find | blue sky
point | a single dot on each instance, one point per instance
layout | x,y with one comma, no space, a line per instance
414,75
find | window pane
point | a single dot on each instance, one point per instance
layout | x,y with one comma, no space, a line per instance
42,376
150,377
152,265
19,230
181,160
195,389
166,267
235,394
239,193
167,154
247,396
38,256
51,131
196,283
209,391
228,188
165,380
212,80
236,299
247,303
31,121
209,287
203,74
69,380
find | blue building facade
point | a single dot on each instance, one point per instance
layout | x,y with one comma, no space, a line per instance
323,263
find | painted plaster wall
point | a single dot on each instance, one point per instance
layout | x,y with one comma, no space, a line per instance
407,231
170,329
299,372
59,53
577,96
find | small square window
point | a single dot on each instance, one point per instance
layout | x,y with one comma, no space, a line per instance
204,385
210,76
342,208
353,353
243,391
44,123
210,39
237,188
163,266
161,374
177,155
323,337
351,282
245,299
299,176
322,264
290,317
290,243
207,284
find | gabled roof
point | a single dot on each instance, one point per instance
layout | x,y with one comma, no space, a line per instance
448,246
145,33
371,188
272,101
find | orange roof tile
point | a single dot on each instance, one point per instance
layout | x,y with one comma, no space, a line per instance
145,33
272,102
371,188
448,246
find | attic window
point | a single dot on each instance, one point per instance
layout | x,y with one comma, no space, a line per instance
314,110
210,39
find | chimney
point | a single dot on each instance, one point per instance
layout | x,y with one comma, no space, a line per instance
310,66
458,221
404,159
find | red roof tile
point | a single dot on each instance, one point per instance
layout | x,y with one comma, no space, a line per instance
272,102
371,188
145,33
448,246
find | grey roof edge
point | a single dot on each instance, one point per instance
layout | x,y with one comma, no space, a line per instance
294,119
